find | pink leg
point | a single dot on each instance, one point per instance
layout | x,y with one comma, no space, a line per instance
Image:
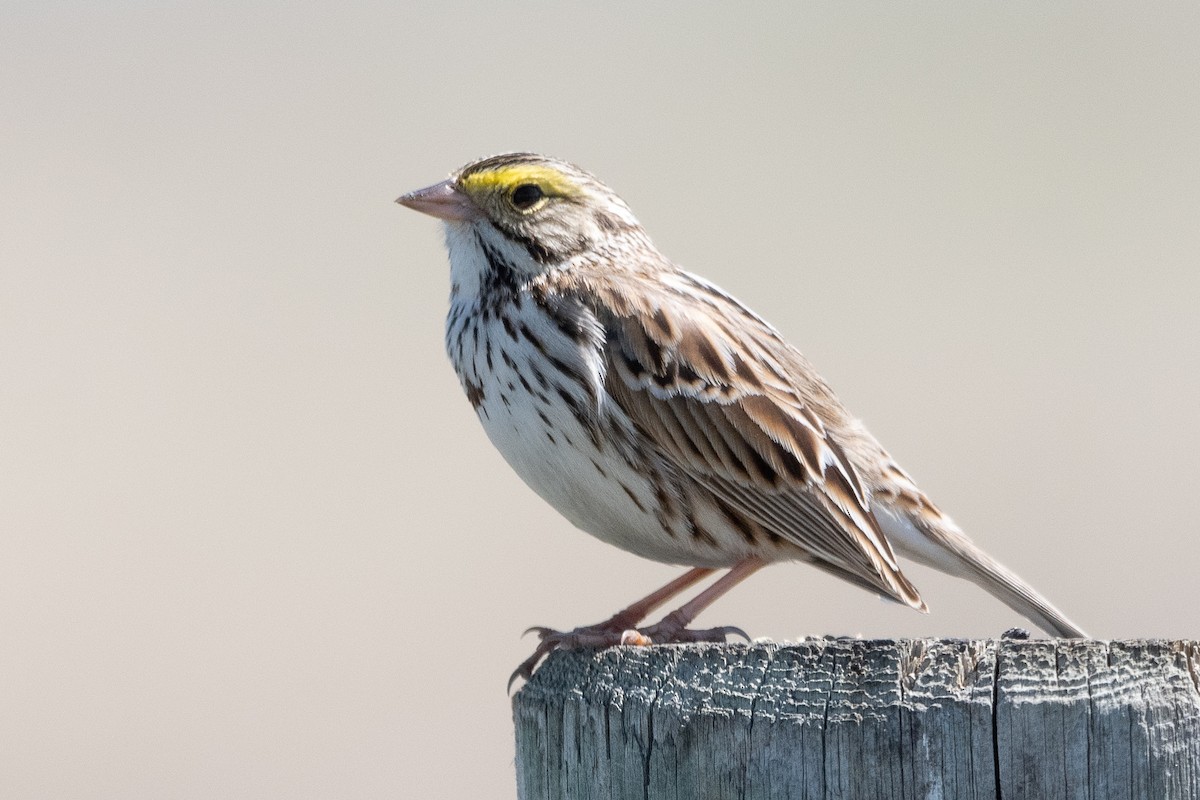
672,628
607,633
638,611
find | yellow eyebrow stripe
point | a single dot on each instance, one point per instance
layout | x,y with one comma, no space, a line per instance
504,179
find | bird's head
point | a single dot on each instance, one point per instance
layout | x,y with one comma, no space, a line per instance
531,212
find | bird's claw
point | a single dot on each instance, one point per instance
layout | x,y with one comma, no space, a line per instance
526,667
606,634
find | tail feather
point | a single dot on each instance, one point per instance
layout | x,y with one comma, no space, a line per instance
934,540
1004,584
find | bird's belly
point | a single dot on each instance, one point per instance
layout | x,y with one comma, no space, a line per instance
589,483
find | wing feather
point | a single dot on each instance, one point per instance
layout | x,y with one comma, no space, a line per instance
743,417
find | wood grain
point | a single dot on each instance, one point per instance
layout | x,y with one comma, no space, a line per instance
848,718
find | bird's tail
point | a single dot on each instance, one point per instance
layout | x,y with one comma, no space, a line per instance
932,538
1007,586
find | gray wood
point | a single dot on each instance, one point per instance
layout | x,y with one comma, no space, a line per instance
848,718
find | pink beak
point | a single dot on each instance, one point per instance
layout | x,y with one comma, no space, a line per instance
442,200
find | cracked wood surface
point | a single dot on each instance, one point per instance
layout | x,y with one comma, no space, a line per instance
849,718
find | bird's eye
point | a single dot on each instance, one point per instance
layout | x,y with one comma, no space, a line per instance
526,196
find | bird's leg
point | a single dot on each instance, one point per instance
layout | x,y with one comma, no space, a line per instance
609,632
635,613
674,626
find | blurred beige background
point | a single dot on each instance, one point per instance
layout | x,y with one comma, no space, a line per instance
253,542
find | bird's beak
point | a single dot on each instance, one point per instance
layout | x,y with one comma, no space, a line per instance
442,200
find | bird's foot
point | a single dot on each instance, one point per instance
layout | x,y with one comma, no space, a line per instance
673,629
617,631
604,634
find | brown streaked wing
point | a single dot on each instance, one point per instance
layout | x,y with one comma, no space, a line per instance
706,404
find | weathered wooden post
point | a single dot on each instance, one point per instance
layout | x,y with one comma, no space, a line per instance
869,720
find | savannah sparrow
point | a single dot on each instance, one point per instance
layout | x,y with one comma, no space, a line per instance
661,415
